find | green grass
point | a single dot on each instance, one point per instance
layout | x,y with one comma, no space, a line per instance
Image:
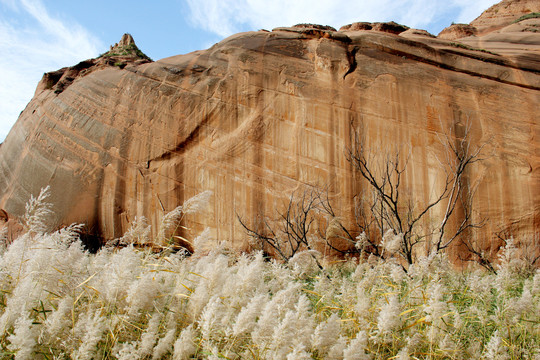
528,16
131,49
467,47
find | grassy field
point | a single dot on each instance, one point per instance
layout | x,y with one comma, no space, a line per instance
59,302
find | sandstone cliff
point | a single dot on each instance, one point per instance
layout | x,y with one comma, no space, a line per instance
262,113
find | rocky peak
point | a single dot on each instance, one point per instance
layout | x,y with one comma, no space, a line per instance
126,49
120,55
126,40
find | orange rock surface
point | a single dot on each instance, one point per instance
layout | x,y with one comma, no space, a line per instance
261,114
504,13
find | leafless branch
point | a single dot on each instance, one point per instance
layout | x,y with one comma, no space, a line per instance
389,209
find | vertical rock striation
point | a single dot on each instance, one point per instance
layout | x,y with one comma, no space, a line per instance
262,114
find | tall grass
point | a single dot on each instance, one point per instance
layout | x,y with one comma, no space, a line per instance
59,302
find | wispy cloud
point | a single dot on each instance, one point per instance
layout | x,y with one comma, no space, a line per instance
470,10
33,42
225,17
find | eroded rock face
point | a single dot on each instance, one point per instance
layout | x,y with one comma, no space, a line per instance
457,31
504,13
416,32
260,115
388,27
510,28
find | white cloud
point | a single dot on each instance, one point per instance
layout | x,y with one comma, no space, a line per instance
470,10
225,17
33,42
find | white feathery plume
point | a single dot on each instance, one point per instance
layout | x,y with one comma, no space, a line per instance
209,321
403,354
524,304
247,317
200,241
326,334
128,351
304,263
356,348
273,312
24,338
336,350
299,353
447,346
388,319
361,241
141,293
284,336
193,205
165,344
37,211
94,326
25,294
495,349
436,306
59,319
185,346
304,319
149,337
507,257
363,303
296,328
198,202
198,300
509,264
391,242
334,229
249,278
138,232
536,283
397,273
170,220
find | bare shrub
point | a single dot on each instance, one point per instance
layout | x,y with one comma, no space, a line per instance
386,206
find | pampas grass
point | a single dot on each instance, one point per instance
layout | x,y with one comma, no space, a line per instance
59,302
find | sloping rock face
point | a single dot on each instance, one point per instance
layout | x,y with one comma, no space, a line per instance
504,13
518,42
457,31
262,114
510,28
389,27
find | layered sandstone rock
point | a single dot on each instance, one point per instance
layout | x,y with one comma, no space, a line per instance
457,31
518,42
262,114
510,28
504,13
389,27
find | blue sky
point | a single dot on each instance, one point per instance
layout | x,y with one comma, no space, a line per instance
37,36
